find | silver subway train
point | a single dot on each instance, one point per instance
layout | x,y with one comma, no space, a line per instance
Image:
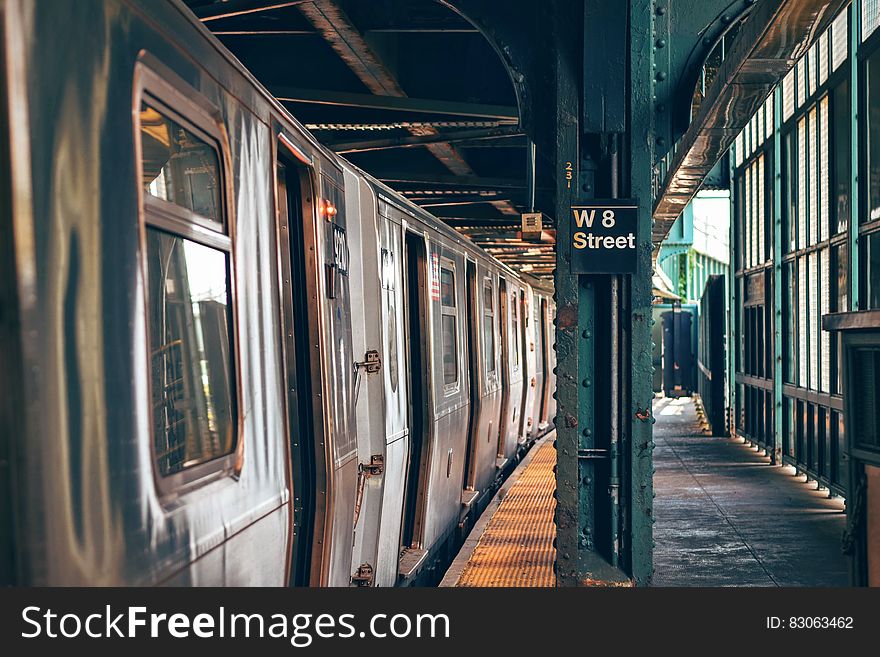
227,356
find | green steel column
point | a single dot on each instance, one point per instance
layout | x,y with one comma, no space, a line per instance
568,485
854,41
579,540
731,336
586,423
641,148
776,452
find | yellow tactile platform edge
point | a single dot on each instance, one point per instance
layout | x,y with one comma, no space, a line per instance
516,549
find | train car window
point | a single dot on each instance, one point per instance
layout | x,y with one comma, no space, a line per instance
514,314
489,325
179,166
189,287
448,326
536,322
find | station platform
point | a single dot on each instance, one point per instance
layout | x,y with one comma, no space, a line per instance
512,543
725,517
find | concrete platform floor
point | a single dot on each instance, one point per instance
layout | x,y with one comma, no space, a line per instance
726,517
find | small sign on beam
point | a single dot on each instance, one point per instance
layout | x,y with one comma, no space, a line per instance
604,236
532,225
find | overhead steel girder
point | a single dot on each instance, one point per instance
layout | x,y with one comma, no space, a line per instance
776,34
394,103
523,37
684,34
231,8
412,141
329,19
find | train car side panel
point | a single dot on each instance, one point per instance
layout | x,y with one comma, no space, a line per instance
366,293
530,361
96,511
512,363
447,276
338,358
540,361
484,438
396,394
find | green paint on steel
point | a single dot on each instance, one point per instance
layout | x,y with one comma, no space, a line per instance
776,448
578,544
854,94
587,538
641,147
684,34
567,385
731,301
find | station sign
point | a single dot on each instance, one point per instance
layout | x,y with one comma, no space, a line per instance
604,236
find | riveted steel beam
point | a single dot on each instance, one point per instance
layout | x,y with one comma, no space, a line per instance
686,34
458,181
637,448
570,489
414,142
341,34
404,125
231,8
459,202
393,103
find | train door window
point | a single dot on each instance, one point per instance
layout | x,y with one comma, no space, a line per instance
180,167
448,324
503,328
538,333
514,320
187,252
489,325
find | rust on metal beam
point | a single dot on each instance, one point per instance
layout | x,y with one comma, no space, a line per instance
774,37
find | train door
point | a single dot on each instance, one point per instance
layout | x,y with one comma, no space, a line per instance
419,452
529,363
504,326
368,393
550,368
543,416
473,338
320,373
339,435
538,351
394,369
291,182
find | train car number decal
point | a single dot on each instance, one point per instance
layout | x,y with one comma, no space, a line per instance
340,250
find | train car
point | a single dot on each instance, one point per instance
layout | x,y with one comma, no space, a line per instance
228,356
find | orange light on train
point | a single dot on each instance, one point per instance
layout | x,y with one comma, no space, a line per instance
326,209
